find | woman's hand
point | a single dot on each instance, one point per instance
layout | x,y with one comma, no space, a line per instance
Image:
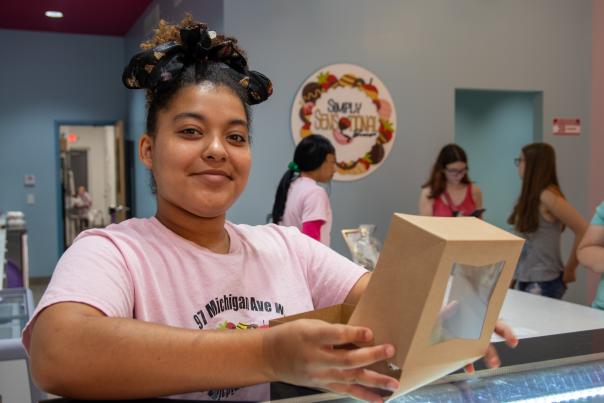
302,352
491,358
569,276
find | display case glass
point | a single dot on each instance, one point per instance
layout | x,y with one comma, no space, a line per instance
14,312
564,367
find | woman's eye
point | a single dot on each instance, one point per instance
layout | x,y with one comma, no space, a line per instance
239,138
190,131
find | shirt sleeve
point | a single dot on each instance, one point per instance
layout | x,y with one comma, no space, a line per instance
93,272
316,205
330,276
313,229
598,218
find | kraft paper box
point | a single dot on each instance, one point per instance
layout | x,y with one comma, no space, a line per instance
435,294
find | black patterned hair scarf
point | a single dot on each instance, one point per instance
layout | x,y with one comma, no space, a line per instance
166,62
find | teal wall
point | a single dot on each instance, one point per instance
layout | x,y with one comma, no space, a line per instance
492,127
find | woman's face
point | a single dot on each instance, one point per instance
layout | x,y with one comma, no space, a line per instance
200,156
327,168
455,171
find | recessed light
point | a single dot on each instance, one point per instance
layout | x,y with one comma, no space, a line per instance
53,14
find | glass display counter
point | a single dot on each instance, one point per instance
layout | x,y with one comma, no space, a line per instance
16,307
578,382
577,375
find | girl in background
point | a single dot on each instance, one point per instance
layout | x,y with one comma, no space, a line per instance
540,215
449,192
300,201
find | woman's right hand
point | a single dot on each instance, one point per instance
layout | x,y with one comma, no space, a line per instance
302,352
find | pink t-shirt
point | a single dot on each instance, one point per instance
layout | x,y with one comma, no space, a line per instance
307,201
140,269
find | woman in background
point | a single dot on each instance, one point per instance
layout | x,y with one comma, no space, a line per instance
540,215
591,252
449,192
300,202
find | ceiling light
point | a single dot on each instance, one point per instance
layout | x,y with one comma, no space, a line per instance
53,14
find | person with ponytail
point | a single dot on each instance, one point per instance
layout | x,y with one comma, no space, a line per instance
300,202
449,192
540,215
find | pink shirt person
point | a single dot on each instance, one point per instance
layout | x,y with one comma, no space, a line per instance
307,202
140,269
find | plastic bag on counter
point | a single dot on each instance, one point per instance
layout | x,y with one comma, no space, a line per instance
366,248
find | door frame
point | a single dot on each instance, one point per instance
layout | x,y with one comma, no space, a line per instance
58,188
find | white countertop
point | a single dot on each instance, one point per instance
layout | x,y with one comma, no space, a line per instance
532,315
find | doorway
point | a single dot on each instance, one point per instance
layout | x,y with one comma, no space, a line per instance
493,126
93,185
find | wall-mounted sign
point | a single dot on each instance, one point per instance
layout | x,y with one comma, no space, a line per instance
566,127
352,108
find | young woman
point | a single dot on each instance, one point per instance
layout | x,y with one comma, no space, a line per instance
540,215
121,317
591,252
449,191
300,201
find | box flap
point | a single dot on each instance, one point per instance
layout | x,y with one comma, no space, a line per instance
459,228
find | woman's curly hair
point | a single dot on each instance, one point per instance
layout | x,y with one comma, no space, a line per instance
166,33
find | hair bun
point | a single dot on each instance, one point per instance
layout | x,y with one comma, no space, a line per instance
166,61
148,68
259,88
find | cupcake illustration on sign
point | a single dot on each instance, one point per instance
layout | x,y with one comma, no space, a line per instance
350,106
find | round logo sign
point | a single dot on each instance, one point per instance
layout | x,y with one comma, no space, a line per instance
352,108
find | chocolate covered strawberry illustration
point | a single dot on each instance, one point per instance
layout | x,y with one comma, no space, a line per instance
386,131
344,123
338,134
327,80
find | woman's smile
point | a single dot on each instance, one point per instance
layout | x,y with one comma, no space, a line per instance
213,177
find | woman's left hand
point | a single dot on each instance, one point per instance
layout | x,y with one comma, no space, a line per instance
491,357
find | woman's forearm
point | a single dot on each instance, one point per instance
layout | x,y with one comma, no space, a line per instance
91,356
592,257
